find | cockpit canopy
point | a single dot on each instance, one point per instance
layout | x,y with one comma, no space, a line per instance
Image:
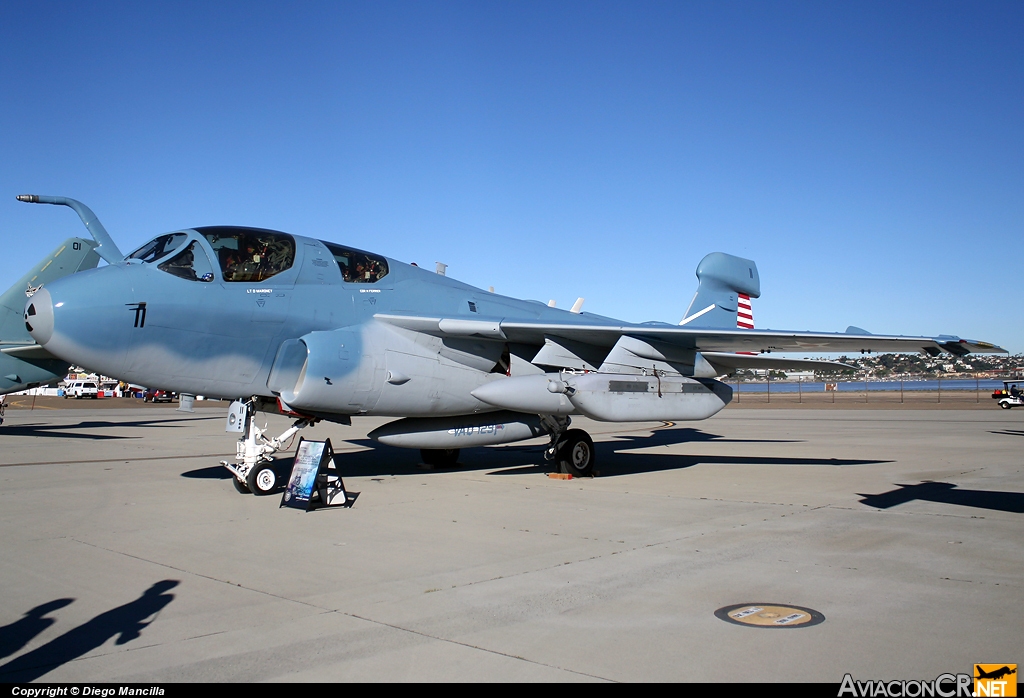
159,247
242,254
191,264
247,255
358,267
250,254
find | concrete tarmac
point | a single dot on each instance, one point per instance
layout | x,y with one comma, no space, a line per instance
129,557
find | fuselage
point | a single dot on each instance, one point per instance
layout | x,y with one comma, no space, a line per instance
193,312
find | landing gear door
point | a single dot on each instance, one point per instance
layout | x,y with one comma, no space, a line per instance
236,418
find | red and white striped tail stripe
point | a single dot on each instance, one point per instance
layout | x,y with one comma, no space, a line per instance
744,315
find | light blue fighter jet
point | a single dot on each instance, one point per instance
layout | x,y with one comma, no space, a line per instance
320,331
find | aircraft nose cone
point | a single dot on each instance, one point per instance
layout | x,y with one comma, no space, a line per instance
39,316
84,318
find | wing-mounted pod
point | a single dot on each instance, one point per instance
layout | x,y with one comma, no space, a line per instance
721,279
106,249
468,431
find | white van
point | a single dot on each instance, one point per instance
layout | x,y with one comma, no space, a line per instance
80,389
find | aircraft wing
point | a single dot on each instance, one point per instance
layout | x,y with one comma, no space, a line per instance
698,339
26,351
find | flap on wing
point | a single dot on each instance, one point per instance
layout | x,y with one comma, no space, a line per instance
727,363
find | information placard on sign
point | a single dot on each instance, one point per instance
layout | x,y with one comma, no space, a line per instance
303,478
315,481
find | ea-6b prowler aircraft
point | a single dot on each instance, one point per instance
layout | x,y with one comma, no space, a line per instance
320,331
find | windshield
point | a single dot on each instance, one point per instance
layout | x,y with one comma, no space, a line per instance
158,247
191,263
250,254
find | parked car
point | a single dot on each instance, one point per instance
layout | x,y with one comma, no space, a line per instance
80,389
154,395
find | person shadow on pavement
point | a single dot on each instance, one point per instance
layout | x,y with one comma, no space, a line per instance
126,622
19,633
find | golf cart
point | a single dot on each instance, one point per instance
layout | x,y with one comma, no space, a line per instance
1012,394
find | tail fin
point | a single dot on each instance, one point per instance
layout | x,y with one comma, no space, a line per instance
722,281
75,254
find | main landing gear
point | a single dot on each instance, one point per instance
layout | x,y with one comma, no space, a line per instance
253,472
572,449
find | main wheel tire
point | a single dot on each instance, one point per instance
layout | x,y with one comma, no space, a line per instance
440,457
240,486
1005,405
262,480
576,453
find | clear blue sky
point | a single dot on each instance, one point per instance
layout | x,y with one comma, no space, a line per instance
869,156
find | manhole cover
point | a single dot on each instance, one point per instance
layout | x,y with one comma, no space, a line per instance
770,615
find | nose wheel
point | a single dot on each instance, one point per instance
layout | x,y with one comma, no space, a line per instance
261,479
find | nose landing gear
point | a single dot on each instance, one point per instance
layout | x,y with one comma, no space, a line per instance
253,472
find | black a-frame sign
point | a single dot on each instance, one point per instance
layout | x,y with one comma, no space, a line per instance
315,481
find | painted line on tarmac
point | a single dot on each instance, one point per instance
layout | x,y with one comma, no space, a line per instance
476,647
119,460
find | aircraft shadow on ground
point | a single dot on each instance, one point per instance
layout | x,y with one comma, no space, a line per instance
613,458
947,493
1008,432
126,622
59,431
215,472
